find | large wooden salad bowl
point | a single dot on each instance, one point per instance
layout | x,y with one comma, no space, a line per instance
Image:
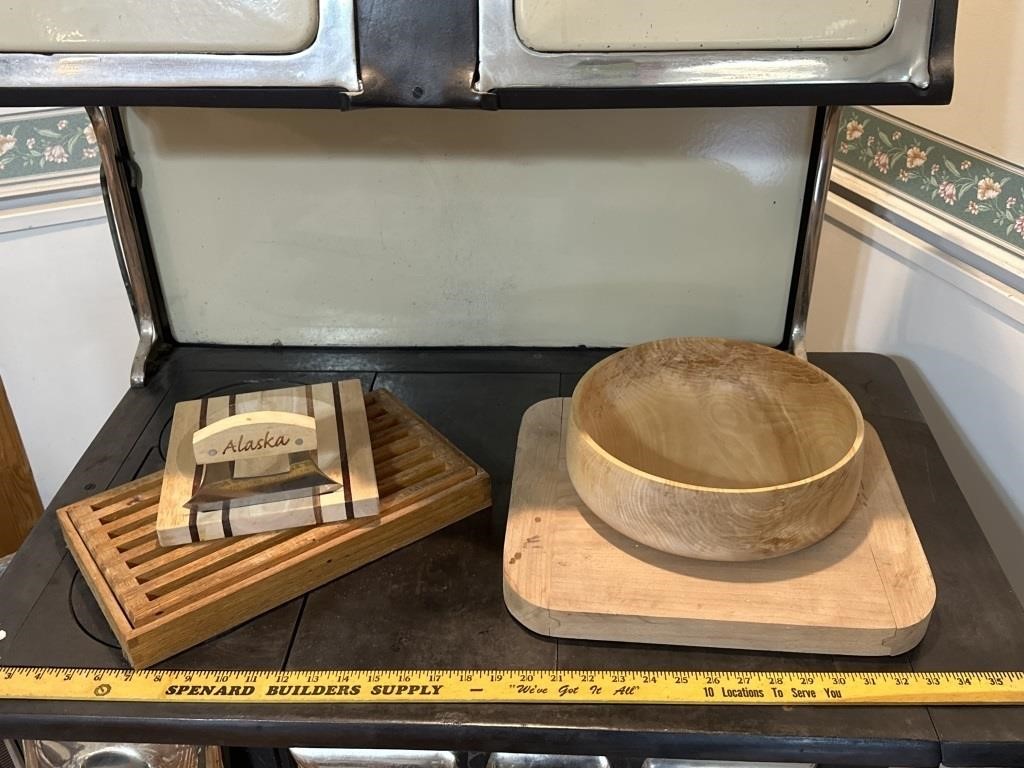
715,449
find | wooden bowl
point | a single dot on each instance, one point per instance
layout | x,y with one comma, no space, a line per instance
715,449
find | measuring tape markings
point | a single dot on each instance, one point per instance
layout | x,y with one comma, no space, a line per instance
512,686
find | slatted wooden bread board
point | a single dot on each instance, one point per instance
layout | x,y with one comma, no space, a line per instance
161,601
343,454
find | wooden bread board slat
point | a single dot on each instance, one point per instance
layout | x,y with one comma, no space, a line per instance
864,590
160,602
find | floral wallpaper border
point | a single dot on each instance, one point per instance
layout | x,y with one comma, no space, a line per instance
46,144
965,186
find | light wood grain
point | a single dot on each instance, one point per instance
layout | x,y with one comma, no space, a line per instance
20,505
291,399
715,449
160,601
361,477
253,435
865,590
333,407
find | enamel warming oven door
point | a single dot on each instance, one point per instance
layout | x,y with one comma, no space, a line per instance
729,51
690,25
190,51
476,53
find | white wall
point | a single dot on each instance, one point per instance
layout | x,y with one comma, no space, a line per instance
958,337
987,111
67,335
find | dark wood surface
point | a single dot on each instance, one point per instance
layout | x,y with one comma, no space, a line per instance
438,603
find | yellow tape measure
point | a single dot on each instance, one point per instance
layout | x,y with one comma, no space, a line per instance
514,687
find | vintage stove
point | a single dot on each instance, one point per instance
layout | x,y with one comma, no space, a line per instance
518,221
448,199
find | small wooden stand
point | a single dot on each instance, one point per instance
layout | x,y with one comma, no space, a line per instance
864,590
161,601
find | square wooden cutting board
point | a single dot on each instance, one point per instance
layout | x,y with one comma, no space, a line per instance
865,590
344,454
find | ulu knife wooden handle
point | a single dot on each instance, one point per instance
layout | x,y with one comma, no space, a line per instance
255,434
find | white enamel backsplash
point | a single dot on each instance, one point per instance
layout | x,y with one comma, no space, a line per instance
392,227
161,26
680,25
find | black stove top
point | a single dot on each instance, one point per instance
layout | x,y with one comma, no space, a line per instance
438,602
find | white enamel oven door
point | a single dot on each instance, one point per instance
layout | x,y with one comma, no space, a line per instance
83,44
689,25
565,44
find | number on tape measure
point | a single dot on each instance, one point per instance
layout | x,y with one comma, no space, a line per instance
514,686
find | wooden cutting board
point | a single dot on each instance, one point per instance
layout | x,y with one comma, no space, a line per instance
864,590
343,453
160,601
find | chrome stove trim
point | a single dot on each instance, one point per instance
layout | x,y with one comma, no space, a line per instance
314,757
506,62
124,230
520,760
812,233
329,62
14,753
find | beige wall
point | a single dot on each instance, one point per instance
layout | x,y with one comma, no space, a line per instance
987,110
